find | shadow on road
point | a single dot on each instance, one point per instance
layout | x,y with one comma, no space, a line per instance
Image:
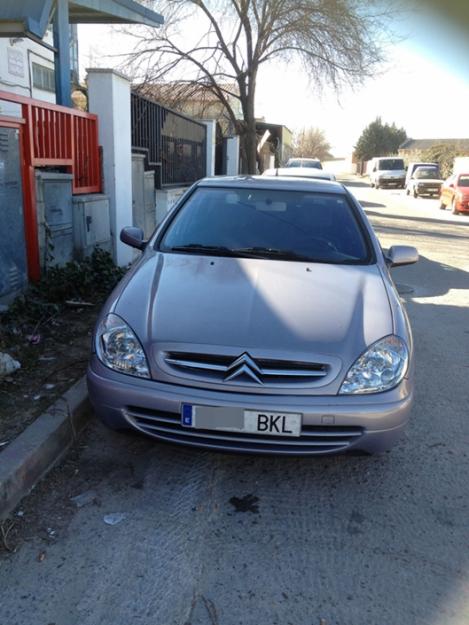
429,220
352,183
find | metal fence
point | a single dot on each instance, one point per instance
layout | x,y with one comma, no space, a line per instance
61,136
174,145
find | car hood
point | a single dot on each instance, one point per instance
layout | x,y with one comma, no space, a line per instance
260,306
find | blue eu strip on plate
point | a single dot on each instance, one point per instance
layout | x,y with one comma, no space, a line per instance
186,416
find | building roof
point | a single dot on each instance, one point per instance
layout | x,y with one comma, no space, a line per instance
425,144
31,17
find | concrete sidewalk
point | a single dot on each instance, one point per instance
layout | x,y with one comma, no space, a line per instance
35,451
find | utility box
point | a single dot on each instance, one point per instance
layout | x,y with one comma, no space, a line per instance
143,196
91,224
54,207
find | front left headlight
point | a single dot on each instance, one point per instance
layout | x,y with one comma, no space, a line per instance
380,368
118,347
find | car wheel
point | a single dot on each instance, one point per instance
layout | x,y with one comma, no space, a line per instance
415,193
442,206
377,185
372,184
453,206
407,191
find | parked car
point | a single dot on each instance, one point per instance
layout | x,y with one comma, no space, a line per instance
315,163
385,171
300,172
426,180
412,166
262,318
455,193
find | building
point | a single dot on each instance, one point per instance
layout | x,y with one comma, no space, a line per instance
411,149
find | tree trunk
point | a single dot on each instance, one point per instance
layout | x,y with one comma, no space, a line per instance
248,145
248,138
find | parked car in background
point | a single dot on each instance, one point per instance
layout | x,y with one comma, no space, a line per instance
261,318
314,163
386,171
455,193
412,166
426,180
300,172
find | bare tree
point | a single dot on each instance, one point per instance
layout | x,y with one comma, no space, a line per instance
311,143
221,43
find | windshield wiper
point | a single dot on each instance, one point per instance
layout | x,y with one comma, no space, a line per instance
270,252
211,250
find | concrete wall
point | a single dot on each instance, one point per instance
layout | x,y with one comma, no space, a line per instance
165,200
210,148
232,156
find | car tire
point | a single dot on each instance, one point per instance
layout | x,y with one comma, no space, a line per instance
407,191
453,207
415,193
377,185
442,206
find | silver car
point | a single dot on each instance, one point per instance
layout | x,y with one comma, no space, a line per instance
261,317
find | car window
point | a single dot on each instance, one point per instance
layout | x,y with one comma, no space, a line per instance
426,172
293,225
463,181
390,164
303,163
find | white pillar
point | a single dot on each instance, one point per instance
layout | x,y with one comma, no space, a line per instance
232,156
109,98
211,142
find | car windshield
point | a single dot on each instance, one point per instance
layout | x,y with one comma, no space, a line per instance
427,172
259,223
302,163
463,181
390,164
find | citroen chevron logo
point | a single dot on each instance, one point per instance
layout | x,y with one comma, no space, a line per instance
244,365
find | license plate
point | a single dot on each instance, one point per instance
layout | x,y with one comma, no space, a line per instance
239,420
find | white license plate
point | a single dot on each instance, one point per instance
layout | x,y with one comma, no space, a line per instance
238,420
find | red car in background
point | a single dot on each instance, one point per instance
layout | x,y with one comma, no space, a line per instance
455,193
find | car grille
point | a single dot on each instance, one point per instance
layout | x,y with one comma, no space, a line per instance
314,439
244,370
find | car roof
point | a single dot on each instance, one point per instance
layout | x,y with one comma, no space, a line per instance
282,183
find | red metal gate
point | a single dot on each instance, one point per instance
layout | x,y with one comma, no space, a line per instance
52,136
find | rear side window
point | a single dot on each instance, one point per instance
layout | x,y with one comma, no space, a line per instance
314,227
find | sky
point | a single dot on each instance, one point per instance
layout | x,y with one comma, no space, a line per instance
424,88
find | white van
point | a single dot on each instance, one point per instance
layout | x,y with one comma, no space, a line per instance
386,171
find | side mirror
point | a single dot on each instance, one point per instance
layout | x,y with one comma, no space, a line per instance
451,185
133,236
399,255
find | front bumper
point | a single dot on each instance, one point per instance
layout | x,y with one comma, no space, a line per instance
331,424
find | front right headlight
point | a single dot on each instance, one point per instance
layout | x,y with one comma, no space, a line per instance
380,368
118,347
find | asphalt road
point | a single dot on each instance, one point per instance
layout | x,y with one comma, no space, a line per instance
345,540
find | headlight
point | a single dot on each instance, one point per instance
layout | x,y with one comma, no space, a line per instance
380,368
118,348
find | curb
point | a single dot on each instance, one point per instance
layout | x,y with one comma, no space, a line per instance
35,451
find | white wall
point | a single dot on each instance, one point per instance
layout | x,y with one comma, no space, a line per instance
210,149
109,98
16,59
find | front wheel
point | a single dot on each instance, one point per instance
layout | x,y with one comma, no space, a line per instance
453,206
415,193
442,206
407,191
